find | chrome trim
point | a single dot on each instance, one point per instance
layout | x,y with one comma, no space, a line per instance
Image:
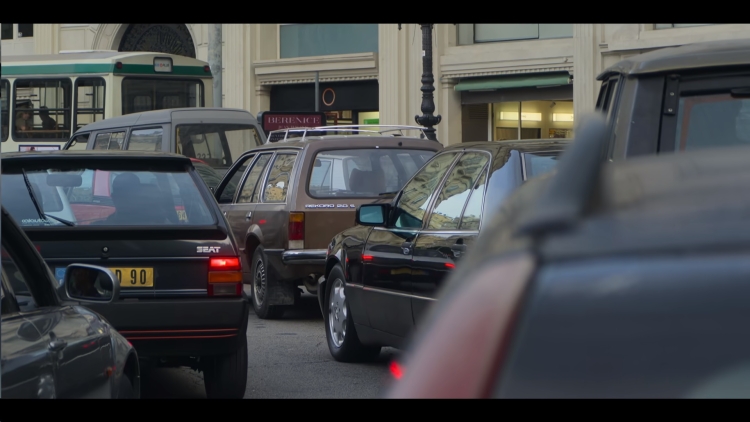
344,128
389,292
304,256
180,292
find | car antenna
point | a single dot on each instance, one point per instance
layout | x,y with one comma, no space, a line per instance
564,199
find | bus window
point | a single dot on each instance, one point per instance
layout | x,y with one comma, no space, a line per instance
4,91
89,104
111,140
216,144
43,109
145,94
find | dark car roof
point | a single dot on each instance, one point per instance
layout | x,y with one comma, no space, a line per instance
686,57
525,145
671,203
158,116
94,154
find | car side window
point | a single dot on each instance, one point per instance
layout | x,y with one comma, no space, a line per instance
413,203
278,179
110,140
250,192
472,215
446,213
146,139
79,142
226,195
17,282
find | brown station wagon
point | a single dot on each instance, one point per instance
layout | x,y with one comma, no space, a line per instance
286,200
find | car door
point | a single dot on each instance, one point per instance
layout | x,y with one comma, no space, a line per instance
62,345
271,212
240,212
451,228
387,253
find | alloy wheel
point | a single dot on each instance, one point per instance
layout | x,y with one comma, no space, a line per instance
259,282
337,313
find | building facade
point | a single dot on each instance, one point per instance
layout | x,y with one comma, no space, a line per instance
492,81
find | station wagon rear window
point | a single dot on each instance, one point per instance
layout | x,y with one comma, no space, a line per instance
112,196
363,172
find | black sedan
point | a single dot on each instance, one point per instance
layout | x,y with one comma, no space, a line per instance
383,273
51,346
150,219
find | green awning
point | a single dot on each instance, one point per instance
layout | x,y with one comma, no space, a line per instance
515,81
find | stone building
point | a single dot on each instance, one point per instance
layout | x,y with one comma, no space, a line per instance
493,81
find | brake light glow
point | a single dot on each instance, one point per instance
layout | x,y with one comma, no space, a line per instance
228,264
367,258
450,265
225,276
396,370
296,230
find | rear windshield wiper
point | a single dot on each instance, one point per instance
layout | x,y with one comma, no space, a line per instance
387,193
62,220
42,215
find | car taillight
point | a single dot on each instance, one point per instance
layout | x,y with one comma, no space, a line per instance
225,277
296,230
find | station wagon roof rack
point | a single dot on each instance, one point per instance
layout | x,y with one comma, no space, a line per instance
282,135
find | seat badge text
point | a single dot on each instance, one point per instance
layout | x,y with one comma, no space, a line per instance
330,206
208,249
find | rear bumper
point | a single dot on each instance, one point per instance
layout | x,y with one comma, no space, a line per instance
296,264
180,327
304,257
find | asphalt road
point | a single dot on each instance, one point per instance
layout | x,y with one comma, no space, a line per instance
288,358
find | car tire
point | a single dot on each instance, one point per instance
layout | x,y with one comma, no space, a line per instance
343,342
225,377
125,389
263,285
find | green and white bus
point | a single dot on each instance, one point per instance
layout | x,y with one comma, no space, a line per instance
46,98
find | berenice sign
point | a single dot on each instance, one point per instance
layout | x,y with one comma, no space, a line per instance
275,120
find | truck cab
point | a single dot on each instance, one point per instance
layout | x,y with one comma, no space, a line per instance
677,99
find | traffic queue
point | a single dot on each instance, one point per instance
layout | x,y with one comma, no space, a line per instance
500,272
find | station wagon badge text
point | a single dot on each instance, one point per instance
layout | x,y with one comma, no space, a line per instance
208,249
347,206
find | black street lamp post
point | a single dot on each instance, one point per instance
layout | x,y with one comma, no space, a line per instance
427,119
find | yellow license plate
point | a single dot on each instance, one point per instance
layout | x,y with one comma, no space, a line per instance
135,277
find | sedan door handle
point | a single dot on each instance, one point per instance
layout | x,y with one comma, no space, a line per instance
458,247
249,215
57,345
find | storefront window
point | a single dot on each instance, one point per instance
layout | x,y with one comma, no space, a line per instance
537,120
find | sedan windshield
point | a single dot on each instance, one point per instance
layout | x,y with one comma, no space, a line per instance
105,197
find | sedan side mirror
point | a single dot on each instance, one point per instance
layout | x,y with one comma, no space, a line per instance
90,283
372,214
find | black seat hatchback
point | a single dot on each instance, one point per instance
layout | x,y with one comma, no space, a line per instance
150,219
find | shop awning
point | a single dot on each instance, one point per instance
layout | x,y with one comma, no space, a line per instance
520,81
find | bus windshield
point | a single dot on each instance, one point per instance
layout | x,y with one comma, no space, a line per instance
146,94
216,144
